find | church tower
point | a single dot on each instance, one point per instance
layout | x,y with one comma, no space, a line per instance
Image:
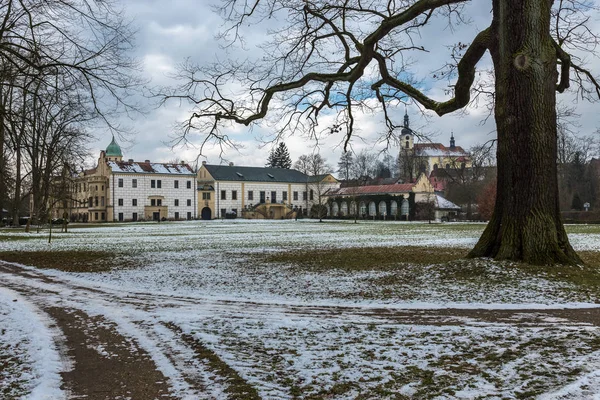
452,144
407,136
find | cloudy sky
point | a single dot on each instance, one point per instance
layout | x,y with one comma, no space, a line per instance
169,32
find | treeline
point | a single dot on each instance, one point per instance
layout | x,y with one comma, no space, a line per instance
64,67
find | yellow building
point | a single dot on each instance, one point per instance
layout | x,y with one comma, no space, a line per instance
230,191
415,158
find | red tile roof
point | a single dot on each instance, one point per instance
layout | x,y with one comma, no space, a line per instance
372,189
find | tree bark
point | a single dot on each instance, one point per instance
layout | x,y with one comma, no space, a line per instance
526,224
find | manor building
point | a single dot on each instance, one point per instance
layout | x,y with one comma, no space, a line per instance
428,157
230,191
117,190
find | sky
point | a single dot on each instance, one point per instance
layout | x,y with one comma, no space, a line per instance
171,32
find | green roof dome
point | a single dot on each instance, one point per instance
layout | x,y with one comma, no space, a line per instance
113,149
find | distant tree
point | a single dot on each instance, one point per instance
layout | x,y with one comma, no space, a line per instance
345,165
577,204
312,164
425,210
280,157
365,166
383,170
486,201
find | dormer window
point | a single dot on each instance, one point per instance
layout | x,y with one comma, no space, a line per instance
271,176
240,175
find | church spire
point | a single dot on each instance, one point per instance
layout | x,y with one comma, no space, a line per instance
452,140
405,118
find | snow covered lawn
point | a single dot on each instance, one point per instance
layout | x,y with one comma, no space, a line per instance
306,326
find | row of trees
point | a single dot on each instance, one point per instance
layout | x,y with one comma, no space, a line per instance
64,67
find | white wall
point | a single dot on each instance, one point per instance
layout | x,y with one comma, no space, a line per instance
144,191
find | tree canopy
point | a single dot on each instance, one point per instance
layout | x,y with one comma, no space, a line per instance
280,157
350,56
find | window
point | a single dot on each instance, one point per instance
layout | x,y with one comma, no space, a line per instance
103,187
312,194
120,202
176,184
134,202
103,217
134,183
273,197
284,196
158,184
121,217
90,202
189,215
153,202
176,202
223,212
262,196
134,216
120,182
234,210
407,145
152,183
158,202
96,187
96,216
102,201
295,196
96,201
189,184
304,197
234,195
205,196
250,195
223,195
189,202
176,215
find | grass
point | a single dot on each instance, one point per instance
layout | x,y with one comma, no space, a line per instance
365,258
69,261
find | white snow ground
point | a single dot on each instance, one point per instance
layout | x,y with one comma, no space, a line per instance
287,331
31,362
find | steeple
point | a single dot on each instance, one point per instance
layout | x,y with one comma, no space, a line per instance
406,134
452,144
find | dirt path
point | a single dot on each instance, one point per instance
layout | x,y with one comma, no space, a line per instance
145,356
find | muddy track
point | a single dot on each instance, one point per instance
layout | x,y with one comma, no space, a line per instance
114,353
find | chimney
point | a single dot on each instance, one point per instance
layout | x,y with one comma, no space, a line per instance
203,162
130,160
231,164
147,161
183,163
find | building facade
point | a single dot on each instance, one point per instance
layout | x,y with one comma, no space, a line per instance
415,158
229,191
117,190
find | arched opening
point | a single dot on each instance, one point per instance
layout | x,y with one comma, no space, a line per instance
404,208
393,207
363,208
344,208
382,208
372,209
206,213
335,209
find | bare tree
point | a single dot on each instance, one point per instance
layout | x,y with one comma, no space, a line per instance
57,58
342,55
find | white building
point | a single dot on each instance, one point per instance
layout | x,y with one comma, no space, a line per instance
118,190
256,192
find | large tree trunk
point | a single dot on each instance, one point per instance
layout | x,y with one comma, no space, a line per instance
526,224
